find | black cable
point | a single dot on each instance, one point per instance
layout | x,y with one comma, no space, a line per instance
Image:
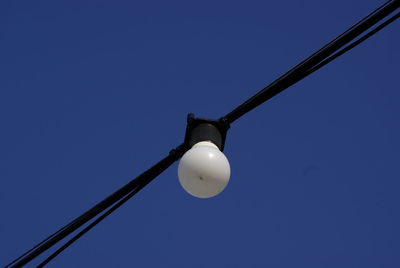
71,225
81,217
93,224
352,45
296,73
149,174
36,246
338,54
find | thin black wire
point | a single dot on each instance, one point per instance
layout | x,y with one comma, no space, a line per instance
352,45
84,215
340,52
149,174
93,224
73,225
36,246
296,73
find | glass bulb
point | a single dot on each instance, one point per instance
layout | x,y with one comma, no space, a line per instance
204,170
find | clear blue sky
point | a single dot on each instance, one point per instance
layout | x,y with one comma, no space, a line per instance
94,92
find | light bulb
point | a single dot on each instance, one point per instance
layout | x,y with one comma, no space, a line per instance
204,170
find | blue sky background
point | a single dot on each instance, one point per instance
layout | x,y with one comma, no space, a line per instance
92,93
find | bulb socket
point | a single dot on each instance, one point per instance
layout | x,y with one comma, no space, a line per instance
201,129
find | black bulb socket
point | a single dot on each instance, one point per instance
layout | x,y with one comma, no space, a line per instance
201,129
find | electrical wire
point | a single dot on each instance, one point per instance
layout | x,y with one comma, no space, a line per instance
82,217
306,67
64,231
146,176
352,45
36,246
286,84
298,72
93,224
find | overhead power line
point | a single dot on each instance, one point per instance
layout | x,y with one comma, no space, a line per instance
328,53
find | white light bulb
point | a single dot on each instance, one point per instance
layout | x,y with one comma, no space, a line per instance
204,170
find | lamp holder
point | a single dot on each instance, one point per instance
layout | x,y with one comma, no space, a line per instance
201,129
